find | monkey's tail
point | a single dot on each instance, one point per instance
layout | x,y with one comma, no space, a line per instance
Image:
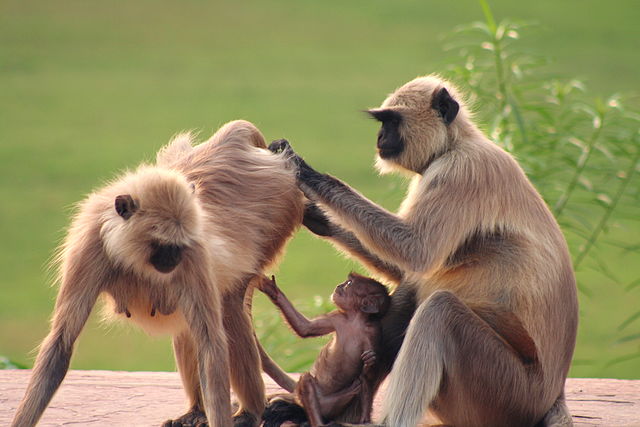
280,409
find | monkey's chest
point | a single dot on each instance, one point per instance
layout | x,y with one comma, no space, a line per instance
150,306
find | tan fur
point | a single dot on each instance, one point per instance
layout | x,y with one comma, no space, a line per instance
231,205
471,225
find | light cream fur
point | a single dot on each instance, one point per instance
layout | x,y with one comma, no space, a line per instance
231,205
471,225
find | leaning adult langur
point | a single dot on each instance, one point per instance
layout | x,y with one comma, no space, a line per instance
477,251
173,247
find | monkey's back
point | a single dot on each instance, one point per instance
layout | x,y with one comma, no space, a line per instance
254,190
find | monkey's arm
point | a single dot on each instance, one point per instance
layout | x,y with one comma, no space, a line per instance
377,227
417,245
318,223
302,326
79,290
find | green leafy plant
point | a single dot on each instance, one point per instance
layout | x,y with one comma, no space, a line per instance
582,154
6,363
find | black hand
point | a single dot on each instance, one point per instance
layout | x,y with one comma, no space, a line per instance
279,146
316,221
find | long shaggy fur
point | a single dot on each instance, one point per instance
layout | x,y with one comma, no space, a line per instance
229,205
472,224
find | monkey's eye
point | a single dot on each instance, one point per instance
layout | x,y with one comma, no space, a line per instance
386,116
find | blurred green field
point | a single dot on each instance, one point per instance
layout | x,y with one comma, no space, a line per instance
90,88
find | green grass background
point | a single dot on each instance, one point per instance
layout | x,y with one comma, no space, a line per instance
90,88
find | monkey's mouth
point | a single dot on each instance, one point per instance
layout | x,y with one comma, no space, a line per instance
165,258
386,152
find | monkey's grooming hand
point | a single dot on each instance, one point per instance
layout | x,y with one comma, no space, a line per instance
269,287
305,173
316,221
369,359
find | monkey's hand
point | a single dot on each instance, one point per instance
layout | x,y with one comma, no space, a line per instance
269,287
305,173
316,221
280,146
369,360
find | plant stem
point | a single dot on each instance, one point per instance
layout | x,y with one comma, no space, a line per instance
497,52
582,163
612,206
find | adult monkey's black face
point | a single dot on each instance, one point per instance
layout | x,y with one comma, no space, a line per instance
390,143
165,258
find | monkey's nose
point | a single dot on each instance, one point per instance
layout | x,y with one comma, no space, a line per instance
165,258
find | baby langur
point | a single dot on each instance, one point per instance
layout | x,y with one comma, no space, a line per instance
340,383
173,247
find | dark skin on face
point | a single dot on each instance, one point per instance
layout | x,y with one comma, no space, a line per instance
344,366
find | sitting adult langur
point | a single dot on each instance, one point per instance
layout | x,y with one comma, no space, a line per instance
173,247
494,331
340,384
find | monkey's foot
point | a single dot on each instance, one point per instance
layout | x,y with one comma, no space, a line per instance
245,419
193,418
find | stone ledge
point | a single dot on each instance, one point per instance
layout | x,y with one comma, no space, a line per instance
97,398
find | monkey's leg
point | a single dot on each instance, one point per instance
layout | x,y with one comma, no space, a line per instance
306,393
203,313
245,369
185,353
73,307
333,405
453,362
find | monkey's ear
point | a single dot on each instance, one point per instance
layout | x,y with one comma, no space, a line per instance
385,115
445,105
125,206
370,305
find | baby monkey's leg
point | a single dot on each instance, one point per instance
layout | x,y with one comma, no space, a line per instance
321,406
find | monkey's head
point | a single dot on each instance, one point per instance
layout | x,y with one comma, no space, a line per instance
362,294
153,220
419,122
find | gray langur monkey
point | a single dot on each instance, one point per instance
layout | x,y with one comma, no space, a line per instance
476,250
173,247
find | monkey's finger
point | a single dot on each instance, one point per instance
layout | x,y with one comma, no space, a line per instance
280,145
316,221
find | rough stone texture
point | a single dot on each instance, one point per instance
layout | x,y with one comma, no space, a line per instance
107,398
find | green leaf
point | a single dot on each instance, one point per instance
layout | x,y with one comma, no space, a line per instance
628,338
629,320
621,359
633,284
